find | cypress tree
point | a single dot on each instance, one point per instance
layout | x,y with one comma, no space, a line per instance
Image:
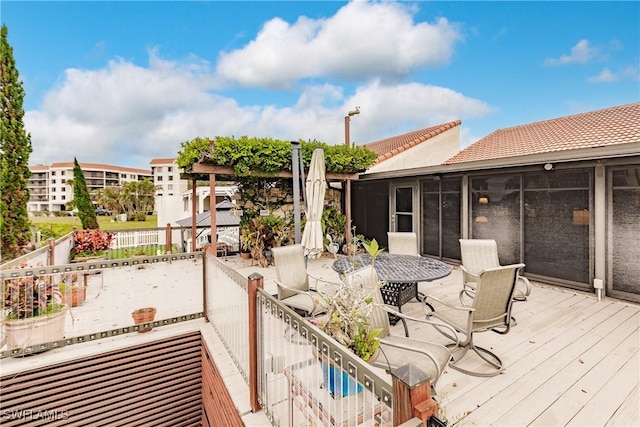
82,199
15,148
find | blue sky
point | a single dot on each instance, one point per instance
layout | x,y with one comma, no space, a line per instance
124,82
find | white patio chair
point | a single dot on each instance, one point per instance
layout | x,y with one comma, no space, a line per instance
480,254
397,351
403,243
490,308
292,280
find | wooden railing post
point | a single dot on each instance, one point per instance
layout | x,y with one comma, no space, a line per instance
255,281
167,236
412,395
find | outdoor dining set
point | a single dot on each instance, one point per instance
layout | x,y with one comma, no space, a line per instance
400,275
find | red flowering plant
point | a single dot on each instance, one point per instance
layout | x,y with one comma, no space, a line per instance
30,296
91,243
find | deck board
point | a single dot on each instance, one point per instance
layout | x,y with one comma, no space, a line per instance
570,359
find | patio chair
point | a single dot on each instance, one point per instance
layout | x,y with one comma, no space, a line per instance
397,351
489,308
479,254
403,243
292,280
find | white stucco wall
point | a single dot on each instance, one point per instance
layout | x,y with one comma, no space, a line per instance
428,153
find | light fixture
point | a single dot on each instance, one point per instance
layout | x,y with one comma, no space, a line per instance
354,112
548,166
482,218
483,200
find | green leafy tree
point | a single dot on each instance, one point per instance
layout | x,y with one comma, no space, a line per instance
15,148
86,210
141,194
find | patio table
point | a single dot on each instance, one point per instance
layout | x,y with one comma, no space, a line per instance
401,274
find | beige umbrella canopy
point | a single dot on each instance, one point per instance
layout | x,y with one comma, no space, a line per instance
316,185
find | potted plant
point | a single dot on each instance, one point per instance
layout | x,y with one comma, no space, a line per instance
347,313
260,234
90,244
142,316
34,311
73,294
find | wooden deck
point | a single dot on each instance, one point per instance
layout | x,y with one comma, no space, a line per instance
570,360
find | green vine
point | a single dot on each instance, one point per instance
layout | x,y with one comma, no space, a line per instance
266,156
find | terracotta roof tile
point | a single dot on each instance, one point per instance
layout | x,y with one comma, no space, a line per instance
616,125
389,147
162,161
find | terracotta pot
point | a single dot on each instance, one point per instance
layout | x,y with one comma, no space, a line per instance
245,255
75,295
144,315
371,360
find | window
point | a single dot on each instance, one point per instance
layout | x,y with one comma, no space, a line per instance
53,181
170,187
159,169
170,177
556,218
441,216
159,178
625,234
53,173
169,168
63,197
495,213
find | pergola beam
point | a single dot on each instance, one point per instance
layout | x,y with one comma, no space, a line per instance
199,169
203,168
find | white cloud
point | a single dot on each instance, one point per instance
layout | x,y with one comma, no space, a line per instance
605,76
127,115
385,43
581,53
608,76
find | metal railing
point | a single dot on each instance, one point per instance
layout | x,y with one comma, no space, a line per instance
307,378
106,294
227,309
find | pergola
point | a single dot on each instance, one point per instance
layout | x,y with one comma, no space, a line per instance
201,170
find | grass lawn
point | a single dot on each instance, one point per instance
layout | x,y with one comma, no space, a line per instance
103,221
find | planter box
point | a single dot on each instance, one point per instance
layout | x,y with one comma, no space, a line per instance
22,333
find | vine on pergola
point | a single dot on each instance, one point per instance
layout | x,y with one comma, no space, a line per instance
267,156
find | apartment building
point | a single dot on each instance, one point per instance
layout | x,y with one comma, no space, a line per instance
49,190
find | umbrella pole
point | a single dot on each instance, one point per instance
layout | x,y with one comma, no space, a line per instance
295,148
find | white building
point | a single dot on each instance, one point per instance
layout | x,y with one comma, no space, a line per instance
49,190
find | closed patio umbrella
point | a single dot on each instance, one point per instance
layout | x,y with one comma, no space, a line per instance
312,237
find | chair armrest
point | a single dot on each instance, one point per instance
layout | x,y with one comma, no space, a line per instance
298,291
434,323
527,284
455,307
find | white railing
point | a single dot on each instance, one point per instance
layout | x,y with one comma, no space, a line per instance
228,310
306,378
133,239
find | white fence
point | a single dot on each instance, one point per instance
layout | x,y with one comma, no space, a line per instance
132,239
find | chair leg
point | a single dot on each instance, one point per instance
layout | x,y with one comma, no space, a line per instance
490,359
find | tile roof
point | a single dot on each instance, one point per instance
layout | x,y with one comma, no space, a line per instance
387,148
162,161
100,166
616,125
